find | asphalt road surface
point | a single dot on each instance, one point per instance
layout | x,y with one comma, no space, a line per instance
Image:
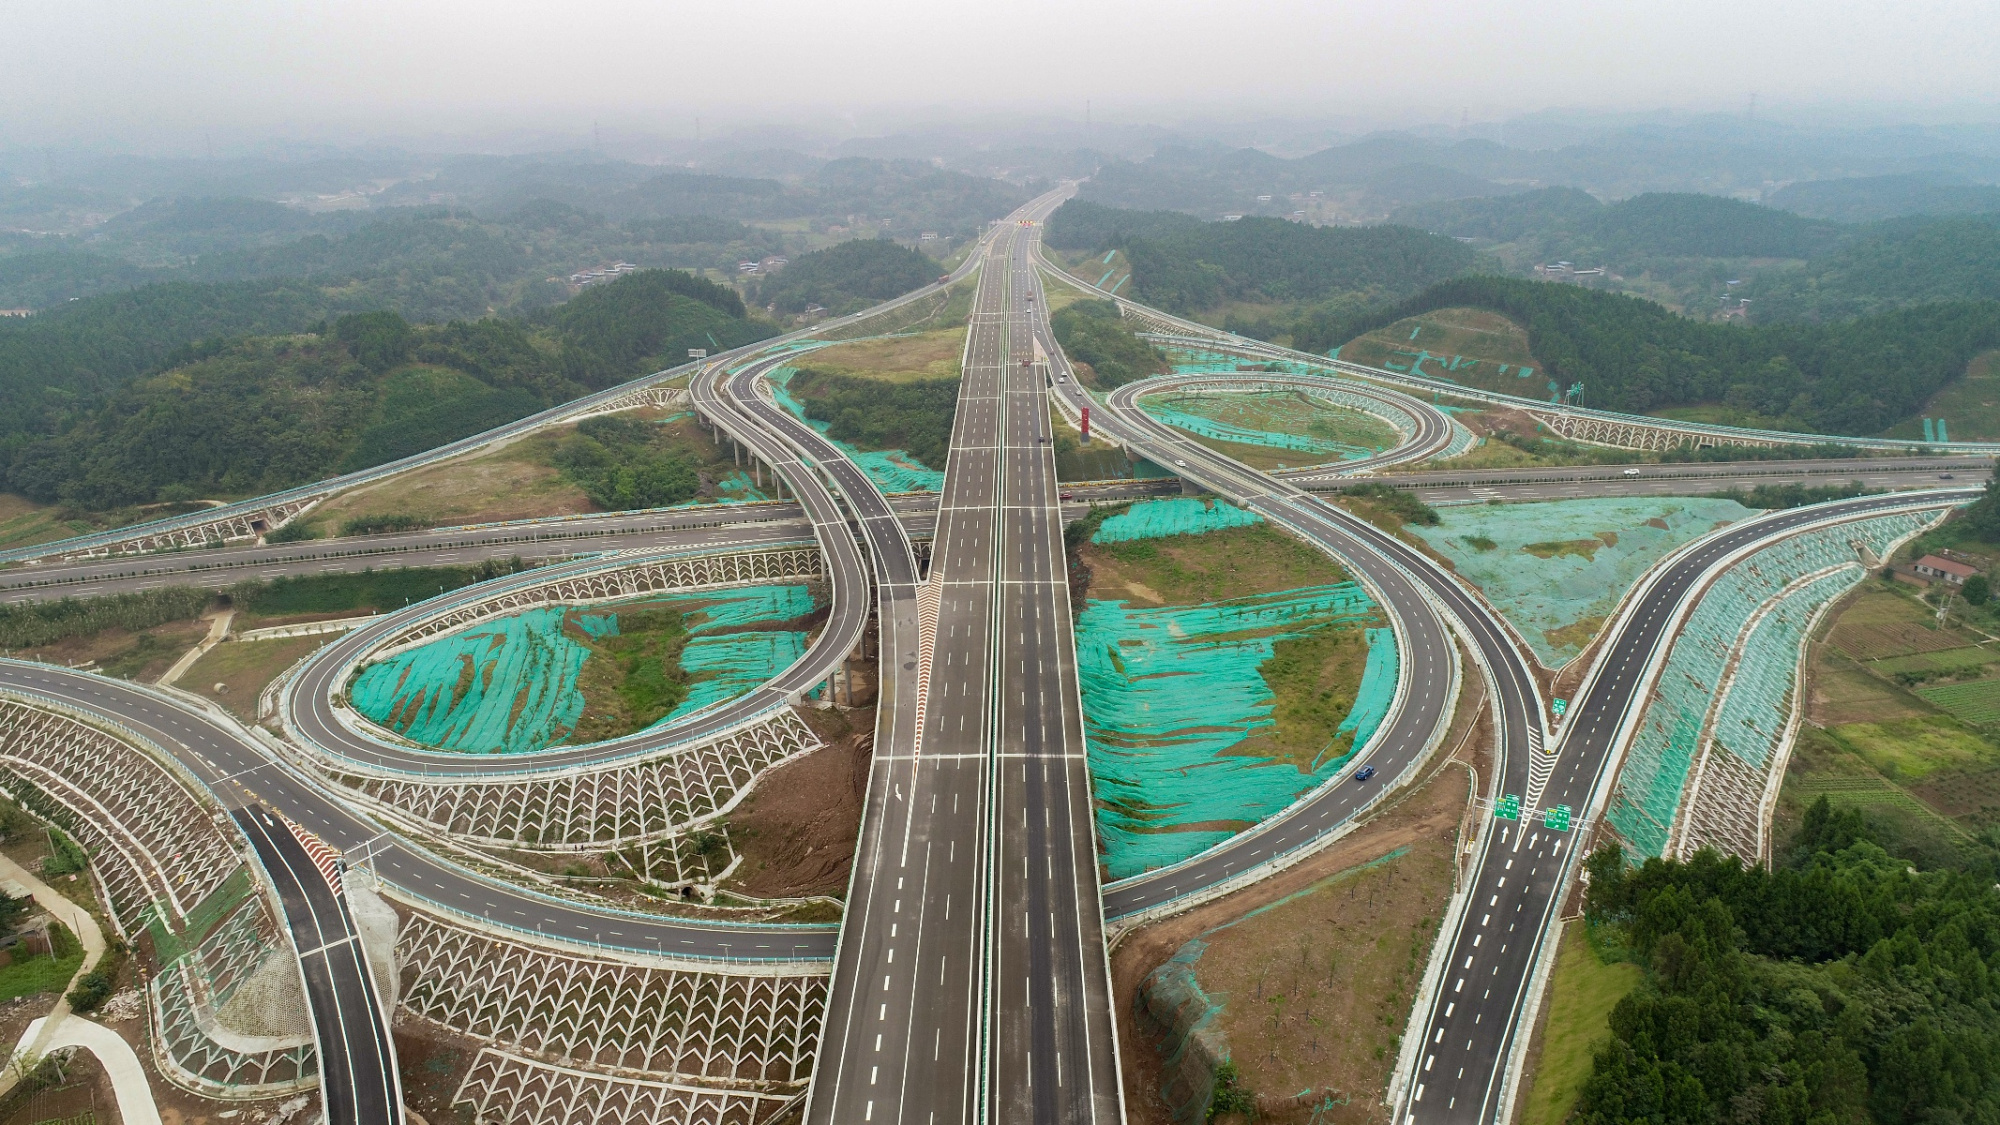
359,1084
1475,1016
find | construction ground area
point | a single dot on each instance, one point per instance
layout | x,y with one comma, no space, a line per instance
1273,429
524,682
1207,714
1555,569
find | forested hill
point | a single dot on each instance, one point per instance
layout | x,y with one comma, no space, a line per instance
1889,264
1847,377
1846,986
1187,268
847,277
1565,222
247,414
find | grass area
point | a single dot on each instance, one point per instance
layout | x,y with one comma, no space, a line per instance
1301,426
1076,462
1911,749
898,359
518,481
1970,406
243,669
1193,569
634,679
24,523
1314,678
1471,347
30,976
1102,270
1059,293
1585,988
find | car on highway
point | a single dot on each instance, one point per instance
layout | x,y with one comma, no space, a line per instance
1364,773
1069,495
1062,378
1181,463
1631,472
1945,476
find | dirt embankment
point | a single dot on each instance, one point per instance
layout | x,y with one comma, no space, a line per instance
1315,968
798,829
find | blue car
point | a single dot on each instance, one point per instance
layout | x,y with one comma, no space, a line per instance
1364,773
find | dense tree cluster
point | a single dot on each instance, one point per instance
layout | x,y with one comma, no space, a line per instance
1185,266
1886,266
1566,222
913,416
1845,986
623,463
1082,225
1092,331
847,277
250,415
1851,377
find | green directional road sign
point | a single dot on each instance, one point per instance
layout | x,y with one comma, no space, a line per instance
1560,706
1557,819
1509,808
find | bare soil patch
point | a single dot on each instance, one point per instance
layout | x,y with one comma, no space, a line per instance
798,828
1317,965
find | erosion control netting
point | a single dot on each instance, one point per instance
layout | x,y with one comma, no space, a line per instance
1557,568
1288,420
509,685
1168,693
1178,515
892,470
1750,720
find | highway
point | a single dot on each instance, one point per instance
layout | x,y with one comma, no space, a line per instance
240,771
723,526
358,1079
1470,1029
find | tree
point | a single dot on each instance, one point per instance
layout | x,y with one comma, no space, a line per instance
1977,589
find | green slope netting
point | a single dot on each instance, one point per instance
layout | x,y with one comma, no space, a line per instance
509,685
1751,718
505,686
1179,515
1556,568
1275,420
1168,692
892,470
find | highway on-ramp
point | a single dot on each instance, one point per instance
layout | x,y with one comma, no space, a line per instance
1475,1017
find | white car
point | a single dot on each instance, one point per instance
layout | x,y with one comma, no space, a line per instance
1181,463
1631,472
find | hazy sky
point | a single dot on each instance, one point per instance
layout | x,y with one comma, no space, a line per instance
134,70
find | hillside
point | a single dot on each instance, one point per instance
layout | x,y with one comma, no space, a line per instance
1567,223
1187,268
1888,265
847,277
252,413
1847,377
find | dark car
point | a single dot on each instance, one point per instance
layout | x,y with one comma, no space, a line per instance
1364,773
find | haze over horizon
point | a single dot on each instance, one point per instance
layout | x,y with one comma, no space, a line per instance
180,80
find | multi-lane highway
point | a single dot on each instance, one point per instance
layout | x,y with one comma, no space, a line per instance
1474,1018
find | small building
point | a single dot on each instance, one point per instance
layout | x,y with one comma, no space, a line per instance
1932,566
17,312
